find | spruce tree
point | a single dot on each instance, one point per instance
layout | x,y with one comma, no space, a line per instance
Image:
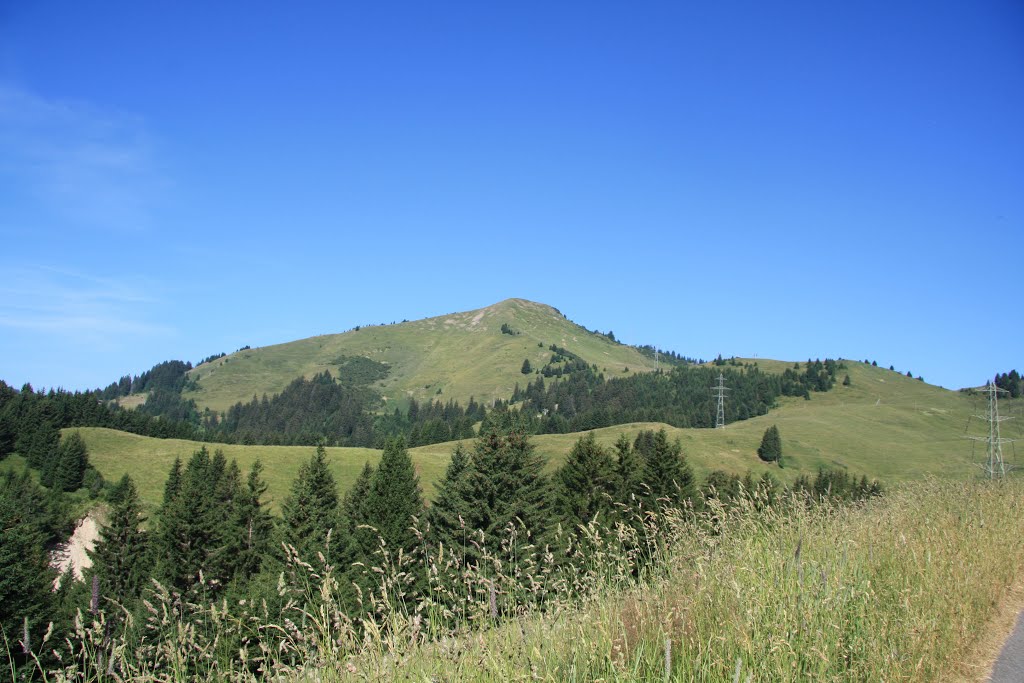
227,495
505,488
770,449
254,526
666,471
629,473
585,485
40,447
8,432
446,516
173,484
178,546
310,510
71,464
26,578
192,524
355,556
119,557
395,498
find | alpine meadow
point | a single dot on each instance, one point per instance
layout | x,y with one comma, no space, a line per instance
579,342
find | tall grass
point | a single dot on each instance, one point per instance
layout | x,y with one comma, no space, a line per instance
895,589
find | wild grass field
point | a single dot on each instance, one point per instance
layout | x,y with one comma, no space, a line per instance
452,356
884,425
895,589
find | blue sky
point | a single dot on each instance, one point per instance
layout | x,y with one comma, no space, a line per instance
787,180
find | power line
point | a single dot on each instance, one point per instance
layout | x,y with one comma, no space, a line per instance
719,391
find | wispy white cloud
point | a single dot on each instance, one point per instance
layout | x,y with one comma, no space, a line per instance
102,313
94,168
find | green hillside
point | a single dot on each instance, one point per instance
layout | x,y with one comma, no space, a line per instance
884,425
448,357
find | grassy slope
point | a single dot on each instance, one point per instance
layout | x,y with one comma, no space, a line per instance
462,355
885,425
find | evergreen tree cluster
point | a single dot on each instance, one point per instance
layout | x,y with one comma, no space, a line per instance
563,362
212,522
211,358
30,424
584,400
667,357
307,411
815,376
430,422
212,540
32,522
168,376
837,485
1011,382
170,406
324,409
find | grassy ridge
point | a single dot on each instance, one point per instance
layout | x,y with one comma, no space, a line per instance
885,425
448,357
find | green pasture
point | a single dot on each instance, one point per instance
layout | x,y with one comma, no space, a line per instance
884,425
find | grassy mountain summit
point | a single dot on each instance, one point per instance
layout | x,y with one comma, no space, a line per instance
477,353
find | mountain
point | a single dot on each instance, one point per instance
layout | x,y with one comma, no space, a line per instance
455,356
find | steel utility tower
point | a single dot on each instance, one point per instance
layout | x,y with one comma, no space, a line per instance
719,390
994,466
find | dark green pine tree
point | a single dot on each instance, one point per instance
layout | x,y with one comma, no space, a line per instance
447,513
395,498
356,557
187,522
585,486
666,471
526,369
119,557
253,539
40,448
506,489
26,578
310,510
227,494
71,464
770,449
629,473
356,514
8,432
173,484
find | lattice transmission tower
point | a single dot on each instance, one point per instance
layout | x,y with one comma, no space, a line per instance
719,391
995,466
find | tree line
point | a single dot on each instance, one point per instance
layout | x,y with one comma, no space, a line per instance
212,540
584,399
31,420
340,412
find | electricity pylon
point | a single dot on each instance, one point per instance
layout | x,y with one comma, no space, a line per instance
719,390
994,467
